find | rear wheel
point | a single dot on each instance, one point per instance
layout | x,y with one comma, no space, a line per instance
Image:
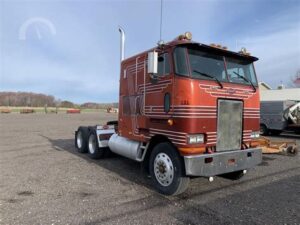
81,138
167,170
94,151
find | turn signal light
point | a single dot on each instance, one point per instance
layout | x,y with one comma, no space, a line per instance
170,122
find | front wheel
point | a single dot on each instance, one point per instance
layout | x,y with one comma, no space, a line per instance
167,170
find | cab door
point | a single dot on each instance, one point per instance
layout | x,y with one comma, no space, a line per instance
158,90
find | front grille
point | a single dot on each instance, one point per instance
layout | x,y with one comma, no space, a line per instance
229,127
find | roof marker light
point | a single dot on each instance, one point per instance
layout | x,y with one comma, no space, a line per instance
244,51
188,35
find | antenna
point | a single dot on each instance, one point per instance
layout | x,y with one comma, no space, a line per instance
161,22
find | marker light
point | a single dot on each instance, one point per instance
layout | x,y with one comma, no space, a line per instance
218,46
244,51
170,122
188,35
185,36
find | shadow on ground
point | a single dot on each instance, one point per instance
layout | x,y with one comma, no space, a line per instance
284,135
133,171
126,168
233,208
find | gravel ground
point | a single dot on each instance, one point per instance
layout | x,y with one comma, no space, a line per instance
44,181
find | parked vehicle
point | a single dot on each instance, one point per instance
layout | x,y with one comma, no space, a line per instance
186,109
278,116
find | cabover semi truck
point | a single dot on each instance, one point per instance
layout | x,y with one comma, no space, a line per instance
186,110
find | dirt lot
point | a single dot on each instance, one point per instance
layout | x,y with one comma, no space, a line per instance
44,181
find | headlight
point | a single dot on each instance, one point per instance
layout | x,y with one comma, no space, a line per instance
255,134
195,139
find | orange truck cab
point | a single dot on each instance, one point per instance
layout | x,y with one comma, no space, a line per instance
186,109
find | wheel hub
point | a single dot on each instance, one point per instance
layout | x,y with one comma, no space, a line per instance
163,169
79,139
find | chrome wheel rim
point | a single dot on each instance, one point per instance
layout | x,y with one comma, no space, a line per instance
163,169
92,144
79,139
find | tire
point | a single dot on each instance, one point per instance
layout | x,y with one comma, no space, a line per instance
264,130
93,149
233,175
81,139
167,170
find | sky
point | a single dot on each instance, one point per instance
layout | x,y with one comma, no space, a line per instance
70,49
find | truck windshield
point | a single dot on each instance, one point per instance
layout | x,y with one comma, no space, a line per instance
238,71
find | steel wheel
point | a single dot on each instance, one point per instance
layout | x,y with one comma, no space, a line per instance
166,168
79,139
94,151
92,144
163,169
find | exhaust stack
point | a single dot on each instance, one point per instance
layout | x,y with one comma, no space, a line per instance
122,44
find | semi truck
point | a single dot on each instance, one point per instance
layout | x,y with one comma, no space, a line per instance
279,116
186,109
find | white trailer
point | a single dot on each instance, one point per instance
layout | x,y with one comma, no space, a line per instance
277,116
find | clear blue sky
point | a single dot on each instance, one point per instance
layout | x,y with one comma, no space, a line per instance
78,58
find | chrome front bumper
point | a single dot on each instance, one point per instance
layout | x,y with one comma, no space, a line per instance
207,165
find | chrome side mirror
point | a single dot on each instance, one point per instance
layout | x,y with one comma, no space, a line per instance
152,63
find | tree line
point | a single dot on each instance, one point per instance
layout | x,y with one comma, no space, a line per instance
29,99
26,99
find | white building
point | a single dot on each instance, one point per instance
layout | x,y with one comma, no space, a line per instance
267,94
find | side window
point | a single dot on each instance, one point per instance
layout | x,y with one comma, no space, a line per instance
180,61
163,65
167,102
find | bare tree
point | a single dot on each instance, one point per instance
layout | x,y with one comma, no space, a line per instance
295,80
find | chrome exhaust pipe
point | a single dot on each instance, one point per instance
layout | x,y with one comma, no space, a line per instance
122,44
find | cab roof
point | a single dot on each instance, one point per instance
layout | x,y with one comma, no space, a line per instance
200,46
215,50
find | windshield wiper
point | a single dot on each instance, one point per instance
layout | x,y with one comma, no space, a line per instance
245,79
210,76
